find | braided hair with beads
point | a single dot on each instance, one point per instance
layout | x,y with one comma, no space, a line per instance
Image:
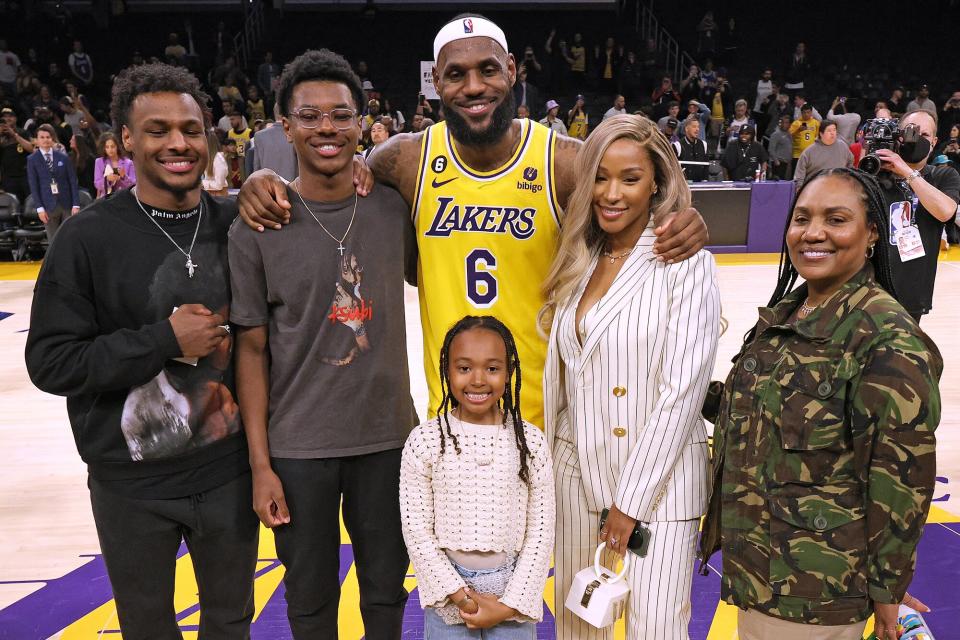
874,203
509,403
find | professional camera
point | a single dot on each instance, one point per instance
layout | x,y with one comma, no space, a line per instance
881,133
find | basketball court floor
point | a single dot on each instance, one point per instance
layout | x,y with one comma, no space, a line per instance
53,583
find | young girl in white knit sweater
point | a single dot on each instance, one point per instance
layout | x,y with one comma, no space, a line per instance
477,495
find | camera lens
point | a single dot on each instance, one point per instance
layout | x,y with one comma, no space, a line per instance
870,164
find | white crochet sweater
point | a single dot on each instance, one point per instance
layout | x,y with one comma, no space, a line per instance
453,501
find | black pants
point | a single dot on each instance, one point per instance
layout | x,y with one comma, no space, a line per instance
140,538
309,546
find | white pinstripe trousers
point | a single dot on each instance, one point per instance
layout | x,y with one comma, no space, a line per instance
659,601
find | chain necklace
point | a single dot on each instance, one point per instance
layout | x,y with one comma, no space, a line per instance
339,242
190,265
806,309
613,258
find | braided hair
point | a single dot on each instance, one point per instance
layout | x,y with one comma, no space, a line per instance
874,203
511,397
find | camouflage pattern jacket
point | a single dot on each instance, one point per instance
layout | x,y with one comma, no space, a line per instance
824,457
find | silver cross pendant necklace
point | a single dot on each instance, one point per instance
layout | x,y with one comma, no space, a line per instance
339,241
190,265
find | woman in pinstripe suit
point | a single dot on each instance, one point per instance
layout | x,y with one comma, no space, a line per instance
631,347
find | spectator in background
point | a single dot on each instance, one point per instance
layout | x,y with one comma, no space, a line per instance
71,115
798,69
895,103
416,122
551,121
824,153
578,62
708,76
556,65
53,182
267,75
55,76
701,112
9,68
399,123
274,151
234,163
670,130
730,42
663,95
229,110
632,83
719,99
113,169
524,93
707,35
80,64
673,111
619,107
799,100
743,158
804,132
256,109
690,86
764,89
15,148
533,66
923,101
45,99
608,67
846,117
83,156
378,134
578,123
651,63
950,115
777,106
214,178
741,118
950,147
780,149
174,51
242,134
690,147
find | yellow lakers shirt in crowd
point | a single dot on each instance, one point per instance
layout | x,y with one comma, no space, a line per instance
486,241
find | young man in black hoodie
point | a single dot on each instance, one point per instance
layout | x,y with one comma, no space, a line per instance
128,322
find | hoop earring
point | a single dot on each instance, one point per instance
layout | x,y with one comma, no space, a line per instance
870,252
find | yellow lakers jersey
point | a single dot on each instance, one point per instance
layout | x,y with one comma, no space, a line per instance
486,241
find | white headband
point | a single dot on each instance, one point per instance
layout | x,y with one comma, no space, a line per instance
472,27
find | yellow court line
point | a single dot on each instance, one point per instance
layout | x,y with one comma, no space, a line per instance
19,270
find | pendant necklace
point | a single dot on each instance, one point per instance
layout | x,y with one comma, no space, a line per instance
339,242
485,461
613,258
190,265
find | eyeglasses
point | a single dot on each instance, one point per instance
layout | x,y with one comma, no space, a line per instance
311,118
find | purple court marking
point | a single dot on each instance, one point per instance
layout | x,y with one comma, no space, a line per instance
4,315
65,600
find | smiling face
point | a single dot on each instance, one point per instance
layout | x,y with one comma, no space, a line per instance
474,77
166,137
324,150
478,374
622,189
829,233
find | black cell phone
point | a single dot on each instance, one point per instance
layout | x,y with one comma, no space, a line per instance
639,539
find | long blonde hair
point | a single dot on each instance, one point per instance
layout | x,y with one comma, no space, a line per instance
581,237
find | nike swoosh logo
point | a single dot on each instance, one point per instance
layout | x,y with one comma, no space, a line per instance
440,184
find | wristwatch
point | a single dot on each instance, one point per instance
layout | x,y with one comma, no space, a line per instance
913,174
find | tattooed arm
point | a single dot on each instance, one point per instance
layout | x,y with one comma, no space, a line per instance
396,163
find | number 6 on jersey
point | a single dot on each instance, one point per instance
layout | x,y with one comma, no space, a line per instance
481,284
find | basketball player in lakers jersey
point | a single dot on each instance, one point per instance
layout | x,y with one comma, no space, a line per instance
486,193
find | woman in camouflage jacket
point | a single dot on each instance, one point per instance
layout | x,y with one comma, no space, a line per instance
824,448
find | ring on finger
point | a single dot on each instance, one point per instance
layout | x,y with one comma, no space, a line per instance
614,541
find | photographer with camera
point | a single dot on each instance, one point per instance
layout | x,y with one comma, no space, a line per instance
15,148
921,199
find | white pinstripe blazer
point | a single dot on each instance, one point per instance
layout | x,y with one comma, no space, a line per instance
629,399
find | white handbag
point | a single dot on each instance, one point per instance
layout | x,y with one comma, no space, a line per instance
597,594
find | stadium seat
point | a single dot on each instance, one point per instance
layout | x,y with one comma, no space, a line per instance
9,206
31,234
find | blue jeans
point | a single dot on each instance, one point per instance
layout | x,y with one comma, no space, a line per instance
436,629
